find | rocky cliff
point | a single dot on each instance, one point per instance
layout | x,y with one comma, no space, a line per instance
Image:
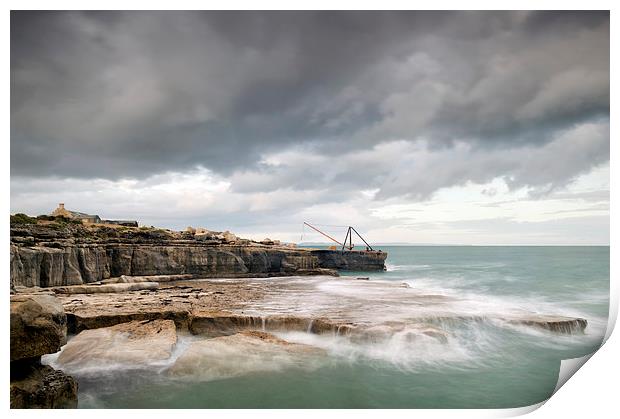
57,254
350,260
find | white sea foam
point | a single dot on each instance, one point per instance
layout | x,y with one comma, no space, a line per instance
89,366
407,349
473,321
389,267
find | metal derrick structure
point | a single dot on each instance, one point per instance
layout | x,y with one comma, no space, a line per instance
349,237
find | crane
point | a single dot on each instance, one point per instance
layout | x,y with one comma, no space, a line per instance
349,237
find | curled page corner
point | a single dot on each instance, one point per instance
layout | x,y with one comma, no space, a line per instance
519,411
568,367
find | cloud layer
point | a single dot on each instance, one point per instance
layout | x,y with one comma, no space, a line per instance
326,107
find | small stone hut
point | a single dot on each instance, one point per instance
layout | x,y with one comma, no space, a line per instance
61,211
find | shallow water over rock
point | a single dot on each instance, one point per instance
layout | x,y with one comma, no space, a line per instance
126,343
242,353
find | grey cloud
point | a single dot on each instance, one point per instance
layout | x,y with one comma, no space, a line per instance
400,169
131,94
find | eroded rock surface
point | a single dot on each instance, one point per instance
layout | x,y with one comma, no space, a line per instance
242,326
38,327
126,343
319,306
36,386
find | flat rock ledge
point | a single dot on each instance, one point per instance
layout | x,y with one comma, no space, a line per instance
38,327
127,279
106,288
560,324
223,307
148,344
224,323
228,322
126,343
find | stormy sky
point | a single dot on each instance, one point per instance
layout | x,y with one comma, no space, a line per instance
421,127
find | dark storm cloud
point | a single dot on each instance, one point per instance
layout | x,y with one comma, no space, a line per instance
130,94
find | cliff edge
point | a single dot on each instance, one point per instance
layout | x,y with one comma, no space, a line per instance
60,253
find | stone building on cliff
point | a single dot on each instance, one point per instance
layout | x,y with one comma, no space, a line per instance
61,211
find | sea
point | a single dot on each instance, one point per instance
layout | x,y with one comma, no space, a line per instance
485,362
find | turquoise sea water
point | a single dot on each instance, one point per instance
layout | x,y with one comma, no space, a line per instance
485,364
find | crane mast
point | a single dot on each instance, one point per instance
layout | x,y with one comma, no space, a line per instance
349,237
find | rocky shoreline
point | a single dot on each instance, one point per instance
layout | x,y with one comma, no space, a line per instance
233,295
240,311
56,256
62,254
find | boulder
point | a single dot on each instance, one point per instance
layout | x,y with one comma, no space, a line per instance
38,326
37,386
229,237
205,237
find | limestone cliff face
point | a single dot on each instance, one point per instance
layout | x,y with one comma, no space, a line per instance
75,255
351,261
45,267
